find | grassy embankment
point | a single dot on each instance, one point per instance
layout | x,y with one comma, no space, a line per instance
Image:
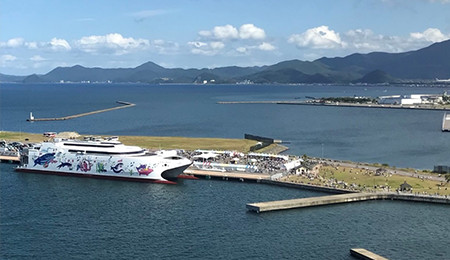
366,180
156,142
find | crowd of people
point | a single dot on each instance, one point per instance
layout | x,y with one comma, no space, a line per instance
229,161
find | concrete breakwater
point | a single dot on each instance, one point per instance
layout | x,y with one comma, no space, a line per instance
365,254
343,195
341,198
123,104
446,123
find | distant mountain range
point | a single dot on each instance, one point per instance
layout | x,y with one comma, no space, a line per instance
377,67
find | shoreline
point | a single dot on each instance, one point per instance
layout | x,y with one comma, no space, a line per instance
338,104
314,172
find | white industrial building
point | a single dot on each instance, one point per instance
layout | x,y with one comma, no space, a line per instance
413,99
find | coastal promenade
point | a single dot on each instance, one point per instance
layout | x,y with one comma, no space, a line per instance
340,104
123,104
227,175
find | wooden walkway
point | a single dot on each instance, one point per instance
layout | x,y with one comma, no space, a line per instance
123,105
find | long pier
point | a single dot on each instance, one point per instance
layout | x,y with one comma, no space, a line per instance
341,198
123,105
288,102
365,254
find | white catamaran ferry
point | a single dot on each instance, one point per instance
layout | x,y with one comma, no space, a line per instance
103,158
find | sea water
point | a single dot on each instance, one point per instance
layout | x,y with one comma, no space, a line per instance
54,217
401,138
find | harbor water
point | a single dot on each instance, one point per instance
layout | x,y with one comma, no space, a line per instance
54,217
401,138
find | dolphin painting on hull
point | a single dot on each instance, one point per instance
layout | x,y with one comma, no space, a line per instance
44,159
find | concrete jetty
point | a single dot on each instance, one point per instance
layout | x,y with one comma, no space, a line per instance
341,198
10,159
314,201
362,253
123,104
446,123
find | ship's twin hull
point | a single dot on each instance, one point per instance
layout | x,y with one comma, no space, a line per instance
97,176
139,168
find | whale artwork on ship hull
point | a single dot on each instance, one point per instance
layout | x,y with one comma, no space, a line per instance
105,158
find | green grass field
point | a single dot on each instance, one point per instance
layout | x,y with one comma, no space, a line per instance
156,142
369,180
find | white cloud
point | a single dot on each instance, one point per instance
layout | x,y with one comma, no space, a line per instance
113,42
229,32
37,58
250,31
317,38
7,57
265,46
31,45
165,47
15,42
430,35
223,40
241,49
205,34
206,48
225,32
197,44
5,60
59,44
217,45
144,14
362,40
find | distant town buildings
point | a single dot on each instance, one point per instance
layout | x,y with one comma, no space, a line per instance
413,99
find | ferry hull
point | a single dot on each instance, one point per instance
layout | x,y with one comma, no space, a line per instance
103,160
172,174
96,176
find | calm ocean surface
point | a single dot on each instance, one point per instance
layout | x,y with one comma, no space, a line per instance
401,138
53,217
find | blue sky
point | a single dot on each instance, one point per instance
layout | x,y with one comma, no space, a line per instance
37,36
